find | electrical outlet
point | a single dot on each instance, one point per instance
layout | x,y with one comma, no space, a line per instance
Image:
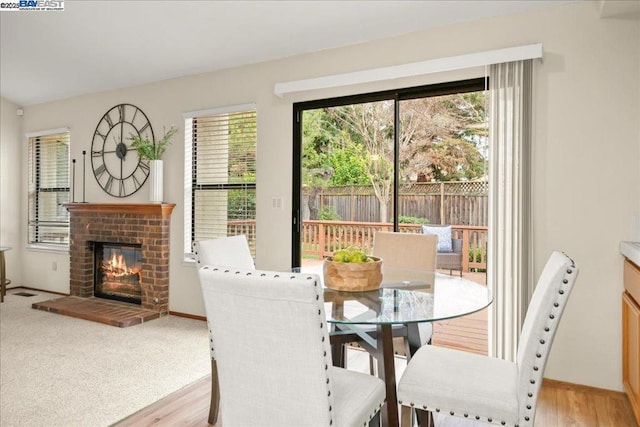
54,266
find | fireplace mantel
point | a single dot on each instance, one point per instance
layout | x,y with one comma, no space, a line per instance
164,209
144,224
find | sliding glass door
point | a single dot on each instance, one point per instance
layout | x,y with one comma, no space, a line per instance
378,162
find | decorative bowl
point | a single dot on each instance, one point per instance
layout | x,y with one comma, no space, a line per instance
352,276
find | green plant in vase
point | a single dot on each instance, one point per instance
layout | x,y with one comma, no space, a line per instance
147,149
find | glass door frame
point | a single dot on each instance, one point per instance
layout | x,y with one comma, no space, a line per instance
448,88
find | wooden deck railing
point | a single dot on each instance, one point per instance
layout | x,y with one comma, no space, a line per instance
322,238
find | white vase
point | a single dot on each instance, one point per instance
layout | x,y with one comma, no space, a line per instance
155,181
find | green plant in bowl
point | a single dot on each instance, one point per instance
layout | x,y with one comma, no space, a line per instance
351,254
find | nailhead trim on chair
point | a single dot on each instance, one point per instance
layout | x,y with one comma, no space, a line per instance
326,366
210,333
466,415
324,354
375,410
530,404
549,328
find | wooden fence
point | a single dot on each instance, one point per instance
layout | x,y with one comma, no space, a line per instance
440,202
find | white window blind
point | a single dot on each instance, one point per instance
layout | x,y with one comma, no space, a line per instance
48,188
220,176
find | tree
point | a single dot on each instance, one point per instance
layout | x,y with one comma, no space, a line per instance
441,138
455,160
317,137
349,165
439,132
242,149
242,146
371,125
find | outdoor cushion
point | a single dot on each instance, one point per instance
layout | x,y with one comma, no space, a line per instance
444,236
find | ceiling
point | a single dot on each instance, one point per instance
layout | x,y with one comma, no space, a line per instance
94,46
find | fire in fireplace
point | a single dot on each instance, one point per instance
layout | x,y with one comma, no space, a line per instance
117,272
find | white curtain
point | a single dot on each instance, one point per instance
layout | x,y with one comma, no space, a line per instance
509,241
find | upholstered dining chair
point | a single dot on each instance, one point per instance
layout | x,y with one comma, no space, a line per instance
406,252
231,251
266,381
461,388
413,252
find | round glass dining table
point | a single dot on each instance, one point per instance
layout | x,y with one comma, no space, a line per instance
405,299
419,297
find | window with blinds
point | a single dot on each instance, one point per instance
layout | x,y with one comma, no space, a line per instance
220,175
49,188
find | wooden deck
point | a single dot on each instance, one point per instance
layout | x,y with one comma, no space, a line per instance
468,333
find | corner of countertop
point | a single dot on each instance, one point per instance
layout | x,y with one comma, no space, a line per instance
631,250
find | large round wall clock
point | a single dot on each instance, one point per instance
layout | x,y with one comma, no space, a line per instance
116,165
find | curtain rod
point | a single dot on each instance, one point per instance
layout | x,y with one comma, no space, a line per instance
438,65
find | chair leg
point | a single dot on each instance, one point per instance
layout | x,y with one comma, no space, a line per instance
406,416
214,407
425,418
372,366
339,355
3,277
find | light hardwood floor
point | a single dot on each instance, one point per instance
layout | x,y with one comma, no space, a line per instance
563,404
560,405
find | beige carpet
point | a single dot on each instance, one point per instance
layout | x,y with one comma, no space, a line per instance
61,371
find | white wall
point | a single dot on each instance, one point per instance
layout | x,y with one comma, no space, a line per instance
585,186
10,200
585,166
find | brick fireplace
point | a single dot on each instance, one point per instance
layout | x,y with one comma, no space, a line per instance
146,225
